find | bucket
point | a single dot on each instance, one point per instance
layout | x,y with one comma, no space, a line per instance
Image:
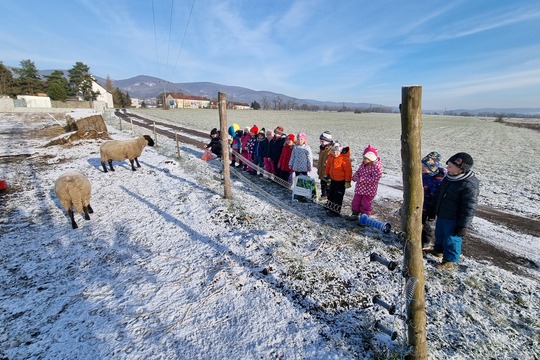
3,185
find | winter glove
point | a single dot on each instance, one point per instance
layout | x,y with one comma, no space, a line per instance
326,177
347,184
460,231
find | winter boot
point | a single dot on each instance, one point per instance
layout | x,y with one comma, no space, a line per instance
353,216
446,265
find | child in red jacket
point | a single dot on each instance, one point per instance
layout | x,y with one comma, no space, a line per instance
283,163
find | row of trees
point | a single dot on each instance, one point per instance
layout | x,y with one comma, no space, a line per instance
78,83
25,80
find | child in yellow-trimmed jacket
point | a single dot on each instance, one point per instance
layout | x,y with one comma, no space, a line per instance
338,173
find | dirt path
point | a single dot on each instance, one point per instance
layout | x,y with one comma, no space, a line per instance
474,245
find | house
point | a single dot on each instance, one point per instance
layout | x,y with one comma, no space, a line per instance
183,101
103,96
240,106
136,103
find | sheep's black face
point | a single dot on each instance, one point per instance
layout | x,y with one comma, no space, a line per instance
149,140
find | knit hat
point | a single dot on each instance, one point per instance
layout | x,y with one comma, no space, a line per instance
370,155
246,129
336,146
291,137
269,133
432,161
262,132
326,136
214,131
372,149
301,136
254,129
279,130
462,160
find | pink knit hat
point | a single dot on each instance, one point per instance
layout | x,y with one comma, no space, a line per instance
371,149
301,136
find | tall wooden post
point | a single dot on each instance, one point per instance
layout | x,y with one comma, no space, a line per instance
413,198
155,135
222,105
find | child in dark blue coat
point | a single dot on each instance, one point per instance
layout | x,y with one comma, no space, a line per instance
455,206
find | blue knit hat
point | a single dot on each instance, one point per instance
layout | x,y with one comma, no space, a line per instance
432,161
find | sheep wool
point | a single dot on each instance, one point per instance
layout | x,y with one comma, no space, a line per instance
118,150
73,192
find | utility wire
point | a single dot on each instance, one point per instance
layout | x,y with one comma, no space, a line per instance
155,37
170,31
184,37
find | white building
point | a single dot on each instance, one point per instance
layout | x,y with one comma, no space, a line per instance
104,95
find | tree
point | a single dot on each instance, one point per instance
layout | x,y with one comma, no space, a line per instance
57,92
121,100
109,85
7,83
255,105
57,86
80,82
29,80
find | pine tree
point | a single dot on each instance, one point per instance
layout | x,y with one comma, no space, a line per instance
29,80
57,86
7,83
80,82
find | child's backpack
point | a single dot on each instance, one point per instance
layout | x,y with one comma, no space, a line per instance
304,189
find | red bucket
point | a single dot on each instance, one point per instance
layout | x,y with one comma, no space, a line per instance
3,185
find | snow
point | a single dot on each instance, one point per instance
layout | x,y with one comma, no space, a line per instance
168,268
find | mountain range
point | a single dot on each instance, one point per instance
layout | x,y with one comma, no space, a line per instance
146,87
149,87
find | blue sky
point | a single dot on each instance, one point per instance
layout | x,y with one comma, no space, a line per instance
465,54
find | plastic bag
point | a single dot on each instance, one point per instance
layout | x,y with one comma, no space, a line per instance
207,155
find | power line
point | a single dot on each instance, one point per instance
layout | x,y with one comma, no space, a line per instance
170,31
184,37
155,37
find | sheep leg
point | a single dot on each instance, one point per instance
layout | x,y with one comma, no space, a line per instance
132,167
72,218
137,161
110,165
104,167
85,210
90,210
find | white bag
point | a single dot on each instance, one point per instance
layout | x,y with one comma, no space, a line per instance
304,189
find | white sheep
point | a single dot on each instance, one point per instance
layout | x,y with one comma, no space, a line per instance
117,150
73,191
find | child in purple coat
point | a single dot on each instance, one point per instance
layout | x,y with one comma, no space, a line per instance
432,175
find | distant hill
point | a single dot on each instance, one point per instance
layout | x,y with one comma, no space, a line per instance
149,87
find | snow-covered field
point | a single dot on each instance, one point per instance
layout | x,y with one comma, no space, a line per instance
168,268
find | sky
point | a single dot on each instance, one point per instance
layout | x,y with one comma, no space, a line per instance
464,54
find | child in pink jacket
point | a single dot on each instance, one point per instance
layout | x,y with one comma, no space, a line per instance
367,181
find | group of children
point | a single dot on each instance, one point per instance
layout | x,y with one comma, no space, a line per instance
450,195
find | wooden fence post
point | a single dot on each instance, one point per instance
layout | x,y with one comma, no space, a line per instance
177,145
222,105
155,134
413,197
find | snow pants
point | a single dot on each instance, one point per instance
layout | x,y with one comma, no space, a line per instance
361,204
445,242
